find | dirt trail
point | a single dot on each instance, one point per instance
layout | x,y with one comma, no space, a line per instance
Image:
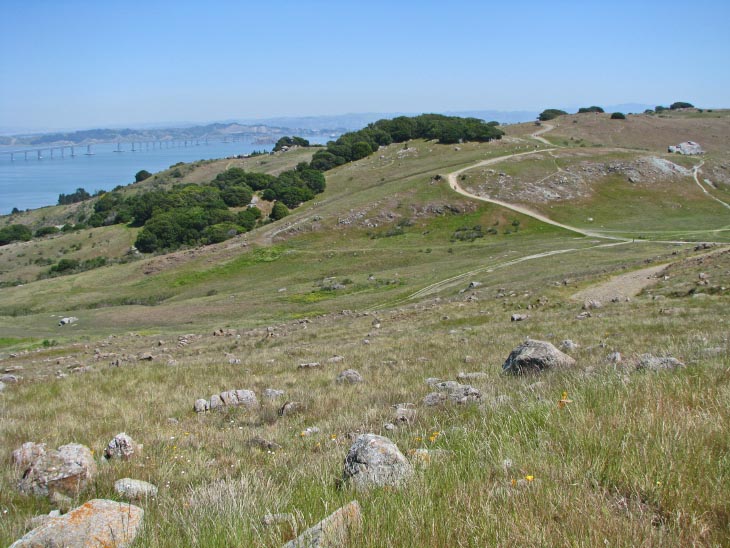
695,175
545,129
454,184
623,285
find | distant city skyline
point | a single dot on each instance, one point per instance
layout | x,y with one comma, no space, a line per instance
81,64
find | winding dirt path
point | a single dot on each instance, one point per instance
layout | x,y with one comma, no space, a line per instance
545,129
695,176
454,184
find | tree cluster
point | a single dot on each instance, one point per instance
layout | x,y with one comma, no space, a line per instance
550,114
290,142
79,196
359,144
585,110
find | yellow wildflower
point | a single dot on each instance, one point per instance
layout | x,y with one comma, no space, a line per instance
529,478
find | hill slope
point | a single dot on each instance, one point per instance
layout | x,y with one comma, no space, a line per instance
403,279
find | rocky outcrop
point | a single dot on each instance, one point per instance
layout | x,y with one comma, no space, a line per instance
535,356
332,532
99,523
67,470
375,461
689,148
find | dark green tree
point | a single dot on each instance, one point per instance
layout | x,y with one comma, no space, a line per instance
279,211
142,175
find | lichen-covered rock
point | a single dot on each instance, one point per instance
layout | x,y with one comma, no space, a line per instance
375,461
229,398
24,455
122,446
458,393
349,376
66,470
332,532
98,523
133,489
657,363
535,356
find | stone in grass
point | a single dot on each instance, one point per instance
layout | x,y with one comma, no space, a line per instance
349,376
66,470
333,531
657,363
459,393
24,455
434,398
471,376
97,523
375,461
568,344
122,446
133,489
535,356
273,393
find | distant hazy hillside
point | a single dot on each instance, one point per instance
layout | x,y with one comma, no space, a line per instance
211,131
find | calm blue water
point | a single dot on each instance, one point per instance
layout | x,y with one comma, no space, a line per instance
33,183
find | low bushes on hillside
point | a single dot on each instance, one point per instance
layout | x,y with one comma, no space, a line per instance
618,116
15,233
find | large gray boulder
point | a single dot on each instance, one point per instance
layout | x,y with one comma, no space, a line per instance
334,531
66,470
375,461
95,524
535,356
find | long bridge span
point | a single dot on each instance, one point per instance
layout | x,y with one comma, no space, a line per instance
61,151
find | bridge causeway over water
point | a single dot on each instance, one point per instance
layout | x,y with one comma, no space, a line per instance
61,151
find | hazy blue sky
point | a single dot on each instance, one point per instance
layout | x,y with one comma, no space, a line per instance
69,63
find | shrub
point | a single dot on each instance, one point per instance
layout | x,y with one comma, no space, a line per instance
15,233
680,104
45,231
618,116
279,211
79,196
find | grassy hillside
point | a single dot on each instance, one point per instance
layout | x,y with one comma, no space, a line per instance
377,270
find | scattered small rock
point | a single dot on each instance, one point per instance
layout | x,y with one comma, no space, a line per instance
349,376
335,359
615,357
592,304
263,444
472,376
273,393
567,344
309,365
434,398
133,489
290,408
519,317
655,363
122,447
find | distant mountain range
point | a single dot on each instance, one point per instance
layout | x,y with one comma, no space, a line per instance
264,128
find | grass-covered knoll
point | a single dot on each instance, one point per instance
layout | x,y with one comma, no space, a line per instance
637,194
643,454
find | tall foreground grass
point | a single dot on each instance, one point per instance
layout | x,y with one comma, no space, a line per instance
636,459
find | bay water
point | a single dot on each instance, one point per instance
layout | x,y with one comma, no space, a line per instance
34,183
